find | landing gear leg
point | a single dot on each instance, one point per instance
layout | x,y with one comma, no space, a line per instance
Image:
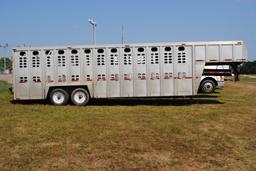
236,72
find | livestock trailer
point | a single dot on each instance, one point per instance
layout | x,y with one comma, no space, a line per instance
110,71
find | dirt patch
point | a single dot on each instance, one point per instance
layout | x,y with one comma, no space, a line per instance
249,76
6,77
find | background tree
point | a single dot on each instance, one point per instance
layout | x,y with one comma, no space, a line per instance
248,68
8,63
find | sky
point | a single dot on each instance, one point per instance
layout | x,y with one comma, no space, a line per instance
65,22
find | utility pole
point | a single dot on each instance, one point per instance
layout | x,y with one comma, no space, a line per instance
122,38
94,25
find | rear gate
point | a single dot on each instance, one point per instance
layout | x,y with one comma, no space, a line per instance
21,88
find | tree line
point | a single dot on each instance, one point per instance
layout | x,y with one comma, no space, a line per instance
248,68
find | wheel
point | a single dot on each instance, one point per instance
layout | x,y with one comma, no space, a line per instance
59,97
80,97
207,86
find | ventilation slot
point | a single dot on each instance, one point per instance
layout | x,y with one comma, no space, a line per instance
75,78
23,79
88,78
100,57
154,56
141,56
48,54
114,77
181,75
61,58
87,60
87,57
49,79
113,59
128,76
22,62
141,76
36,79
155,76
167,55
35,62
101,77
35,59
141,59
48,61
182,57
167,75
127,59
61,61
74,60
62,78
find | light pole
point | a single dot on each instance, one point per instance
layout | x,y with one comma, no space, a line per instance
122,36
94,25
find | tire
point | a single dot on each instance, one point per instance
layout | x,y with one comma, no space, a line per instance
207,86
80,97
59,97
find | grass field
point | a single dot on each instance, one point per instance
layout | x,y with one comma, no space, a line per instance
213,132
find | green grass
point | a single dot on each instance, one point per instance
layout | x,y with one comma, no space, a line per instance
3,86
215,132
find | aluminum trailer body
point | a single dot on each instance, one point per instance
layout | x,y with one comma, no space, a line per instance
131,70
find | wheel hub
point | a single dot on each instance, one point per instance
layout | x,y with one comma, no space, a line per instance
58,98
208,86
80,97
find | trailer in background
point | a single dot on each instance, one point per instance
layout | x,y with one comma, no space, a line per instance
112,71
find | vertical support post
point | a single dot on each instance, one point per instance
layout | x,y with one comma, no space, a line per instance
94,34
122,37
94,24
236,72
